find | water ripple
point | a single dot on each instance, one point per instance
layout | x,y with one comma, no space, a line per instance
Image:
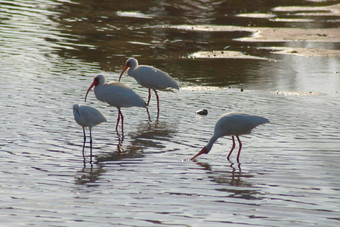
288,173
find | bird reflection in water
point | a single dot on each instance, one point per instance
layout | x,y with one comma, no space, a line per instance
89,175
207,166
234,181
147,135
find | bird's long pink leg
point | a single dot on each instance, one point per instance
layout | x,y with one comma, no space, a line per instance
149,97
84,145
157,102
118,119
239,150
121,115
147,111
90,146
232,148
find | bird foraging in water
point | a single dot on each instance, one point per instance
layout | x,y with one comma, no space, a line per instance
149,77
233,124
87,116
115,94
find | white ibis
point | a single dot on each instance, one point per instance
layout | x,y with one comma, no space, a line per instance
233,124
149,77
87,116
115,94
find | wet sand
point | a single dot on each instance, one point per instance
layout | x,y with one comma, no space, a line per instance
276,35
293,35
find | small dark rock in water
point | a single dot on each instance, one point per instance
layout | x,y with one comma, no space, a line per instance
202,112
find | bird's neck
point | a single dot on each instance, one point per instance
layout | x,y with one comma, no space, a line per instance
98,92
211,142
130,71
76,112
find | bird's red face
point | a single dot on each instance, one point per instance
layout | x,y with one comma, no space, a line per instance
94,83
127,65
203,151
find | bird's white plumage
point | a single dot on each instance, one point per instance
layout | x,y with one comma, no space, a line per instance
232,124
117,94
235,124
87,116
150,77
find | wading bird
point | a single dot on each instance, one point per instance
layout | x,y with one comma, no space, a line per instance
87,116
233,124
115,94
149,77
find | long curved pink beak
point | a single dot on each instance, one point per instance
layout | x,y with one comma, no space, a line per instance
125,68
89,89
203,151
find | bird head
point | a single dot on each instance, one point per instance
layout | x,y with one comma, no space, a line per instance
75,106
76,111
94,83
203,151
131,62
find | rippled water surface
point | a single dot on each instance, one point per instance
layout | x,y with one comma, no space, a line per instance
289,171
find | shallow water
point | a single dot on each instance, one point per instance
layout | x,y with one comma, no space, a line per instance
50,52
